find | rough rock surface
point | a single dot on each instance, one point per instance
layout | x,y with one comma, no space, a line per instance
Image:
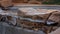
56,32
34,13
32,19
8,29
55,17
6,3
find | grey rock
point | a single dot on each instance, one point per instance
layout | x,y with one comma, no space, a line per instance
8,29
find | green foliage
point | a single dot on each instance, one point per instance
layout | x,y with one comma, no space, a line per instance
52,2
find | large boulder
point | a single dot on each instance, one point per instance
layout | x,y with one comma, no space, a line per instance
35,14
32,17
6,3
8,16
55,17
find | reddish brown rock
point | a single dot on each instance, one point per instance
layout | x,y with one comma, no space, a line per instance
6,3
